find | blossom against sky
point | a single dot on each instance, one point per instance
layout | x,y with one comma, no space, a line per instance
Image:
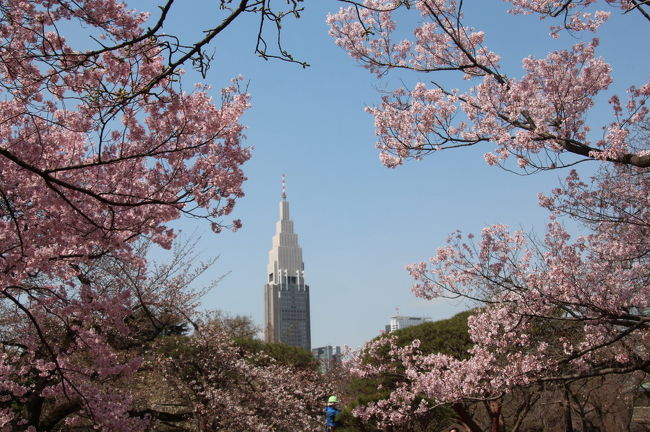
359,223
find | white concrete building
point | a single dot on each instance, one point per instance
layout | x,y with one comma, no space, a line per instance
399,322
286,295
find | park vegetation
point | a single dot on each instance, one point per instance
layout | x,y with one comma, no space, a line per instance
101,148
562,311
380,376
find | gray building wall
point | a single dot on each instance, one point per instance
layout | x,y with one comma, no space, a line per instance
328,357
288,315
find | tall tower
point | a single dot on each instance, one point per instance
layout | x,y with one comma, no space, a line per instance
286,296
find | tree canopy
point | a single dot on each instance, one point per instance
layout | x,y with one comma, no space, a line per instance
102,147
557,309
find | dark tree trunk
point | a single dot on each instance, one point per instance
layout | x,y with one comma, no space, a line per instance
466,418
566,405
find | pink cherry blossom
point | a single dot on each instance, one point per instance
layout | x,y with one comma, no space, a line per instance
558,308
99,147
536,118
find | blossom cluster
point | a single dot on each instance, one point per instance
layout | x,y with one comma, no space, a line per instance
563,307
99,147
534,118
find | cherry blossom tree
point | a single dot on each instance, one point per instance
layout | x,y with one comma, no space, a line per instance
195,370
537,119
101,146
557,309
161,301
211,383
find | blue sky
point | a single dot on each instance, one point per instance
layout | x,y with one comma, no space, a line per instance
360,224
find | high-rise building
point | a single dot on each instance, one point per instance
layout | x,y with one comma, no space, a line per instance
286,295
328,357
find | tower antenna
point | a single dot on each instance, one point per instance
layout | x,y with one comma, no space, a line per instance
284,187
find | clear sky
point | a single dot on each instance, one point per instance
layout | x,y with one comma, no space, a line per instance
359,224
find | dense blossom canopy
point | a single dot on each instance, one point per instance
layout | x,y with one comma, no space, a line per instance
536,118
100,145
559,308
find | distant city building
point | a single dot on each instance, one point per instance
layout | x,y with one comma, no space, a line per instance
398,322
286,296
328,357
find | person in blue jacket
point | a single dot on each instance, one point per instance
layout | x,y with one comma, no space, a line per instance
330,413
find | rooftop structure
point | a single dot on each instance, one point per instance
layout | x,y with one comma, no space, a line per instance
400,321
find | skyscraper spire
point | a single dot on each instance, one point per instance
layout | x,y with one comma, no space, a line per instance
287,315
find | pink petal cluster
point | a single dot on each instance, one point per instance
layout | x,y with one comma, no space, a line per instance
98,148
551,310
535,118
576,14
229,389
562,307
557,309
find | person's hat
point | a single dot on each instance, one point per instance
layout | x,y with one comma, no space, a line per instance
333,399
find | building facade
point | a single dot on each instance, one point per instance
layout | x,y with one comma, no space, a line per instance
399,322
286,295
328,357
